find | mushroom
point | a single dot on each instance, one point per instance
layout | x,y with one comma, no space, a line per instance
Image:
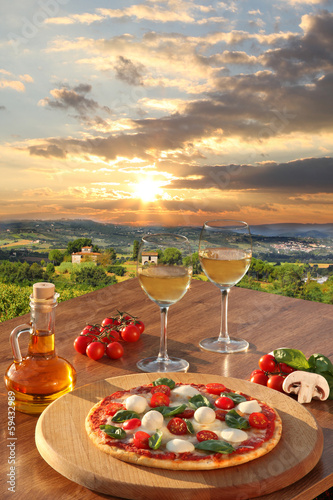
307,386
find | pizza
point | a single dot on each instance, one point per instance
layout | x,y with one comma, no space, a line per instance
183,426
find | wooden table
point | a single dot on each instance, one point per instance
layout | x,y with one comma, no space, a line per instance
267,321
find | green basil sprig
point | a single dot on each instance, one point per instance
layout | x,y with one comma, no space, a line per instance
237,398
123,415
155,440
199,400
215,446
234,420
169,411
165,381
317,363
189,426
113,431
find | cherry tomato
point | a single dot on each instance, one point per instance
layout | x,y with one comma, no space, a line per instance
258,420
177,426
141,440
95,350
81,343
140,325
132,423
284,368
187,413
91,330
161,388
114,350
159,399
220,414
256,371
206,436
267,363
112,408
110,335
215,388
109,322
259,378
275,382
224,403
130,333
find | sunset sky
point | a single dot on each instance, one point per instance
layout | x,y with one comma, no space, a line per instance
166,111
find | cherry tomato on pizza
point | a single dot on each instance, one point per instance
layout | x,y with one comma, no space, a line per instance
258,420
206,435
224,403
159,399
141,440
177,426
187,413
132,423
161,388
112,408
215,388
220,414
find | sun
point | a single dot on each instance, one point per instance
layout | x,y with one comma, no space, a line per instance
148,190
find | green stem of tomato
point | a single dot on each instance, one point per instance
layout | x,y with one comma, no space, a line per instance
163,355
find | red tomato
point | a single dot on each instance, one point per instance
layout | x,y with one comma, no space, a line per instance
284,368
258,420
130,333
215,388
275,382
220,414
259,378
161,388
132,423
255,372
112,408
268,363
108,322
95,350
177,426
140,325
110,335
114,350
141,440
159,399
206,436
187,413
91,330
224,403
81,343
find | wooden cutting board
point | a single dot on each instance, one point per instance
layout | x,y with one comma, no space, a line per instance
62,442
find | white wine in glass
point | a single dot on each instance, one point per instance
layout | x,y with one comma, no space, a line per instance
225,251
164,270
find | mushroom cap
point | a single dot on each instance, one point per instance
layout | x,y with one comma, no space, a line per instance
307,385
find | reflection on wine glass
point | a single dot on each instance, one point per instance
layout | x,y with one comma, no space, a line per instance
225,251
164,270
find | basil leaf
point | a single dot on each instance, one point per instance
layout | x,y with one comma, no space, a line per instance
199,400
237,398
168,411
155,440
113,431
123,415
165,381
319,363
293,358
215,446
236,421
189,426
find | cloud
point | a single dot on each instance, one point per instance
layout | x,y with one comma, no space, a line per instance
65,98
128,71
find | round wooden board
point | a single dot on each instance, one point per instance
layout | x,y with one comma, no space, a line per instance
62,441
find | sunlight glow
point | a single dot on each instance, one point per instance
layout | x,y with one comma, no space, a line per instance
148,190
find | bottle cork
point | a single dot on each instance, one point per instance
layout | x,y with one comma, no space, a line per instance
43,291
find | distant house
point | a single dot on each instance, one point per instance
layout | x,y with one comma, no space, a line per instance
149,257
85,254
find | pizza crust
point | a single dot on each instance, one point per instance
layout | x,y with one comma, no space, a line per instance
209,463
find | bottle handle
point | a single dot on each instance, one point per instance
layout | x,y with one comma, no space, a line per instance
14,341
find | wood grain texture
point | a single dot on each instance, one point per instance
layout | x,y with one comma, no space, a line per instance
267,321
62,441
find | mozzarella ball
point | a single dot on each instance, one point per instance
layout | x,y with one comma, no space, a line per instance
234,435
152,420
204,415
136,403
179,446
249,406
185,391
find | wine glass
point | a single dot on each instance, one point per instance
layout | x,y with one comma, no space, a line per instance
225,251
164,270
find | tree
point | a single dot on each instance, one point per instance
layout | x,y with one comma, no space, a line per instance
93,276
56,257
76,245
135,249
172,256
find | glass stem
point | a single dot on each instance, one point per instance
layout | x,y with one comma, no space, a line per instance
163,355
224,336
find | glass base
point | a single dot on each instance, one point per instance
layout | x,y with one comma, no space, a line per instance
224,346
159,365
